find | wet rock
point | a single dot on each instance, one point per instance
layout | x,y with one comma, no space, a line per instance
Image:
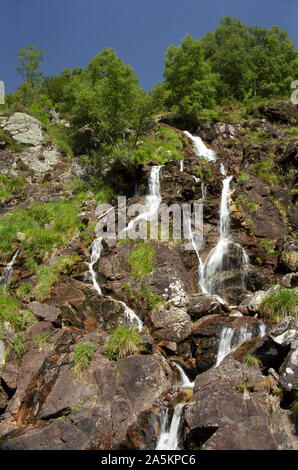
279,348
207,332
2,353
86,429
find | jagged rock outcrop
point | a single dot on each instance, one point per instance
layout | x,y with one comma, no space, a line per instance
23,128
232,410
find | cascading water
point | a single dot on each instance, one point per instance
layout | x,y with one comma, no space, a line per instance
8,270
96,248
153,199
227,335
152,203
214,262
168,439
186,383
201,149
224,344
181,165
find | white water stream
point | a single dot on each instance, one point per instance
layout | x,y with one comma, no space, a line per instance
168,439
8,270
186,383
152,202
153,199
201,149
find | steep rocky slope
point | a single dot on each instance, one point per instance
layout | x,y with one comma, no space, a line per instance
51,303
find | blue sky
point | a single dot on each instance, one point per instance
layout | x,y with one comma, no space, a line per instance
73,31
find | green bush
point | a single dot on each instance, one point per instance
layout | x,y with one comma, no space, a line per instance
279,304
82,357
123,342
141,260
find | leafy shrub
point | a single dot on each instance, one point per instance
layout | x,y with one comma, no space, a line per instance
279,304
123,342
82,357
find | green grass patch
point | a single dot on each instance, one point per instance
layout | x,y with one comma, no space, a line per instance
45,226
24,290
123,342
10,186
47,276
83,355
268,245
10,312
251,360
42,338
242,177
164,146
279,304
151,299
141,260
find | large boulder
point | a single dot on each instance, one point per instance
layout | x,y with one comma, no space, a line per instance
231,409
170,324
205,304
278,350
24,129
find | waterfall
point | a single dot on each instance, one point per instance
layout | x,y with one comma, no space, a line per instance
186,383
181,165
95,255
153,199
262,329
201,149
197,180
152,203
203,190
222,169
168,439
8,270
132,317
214,262
224,344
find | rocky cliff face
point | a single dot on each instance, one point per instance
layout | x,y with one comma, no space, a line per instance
48,312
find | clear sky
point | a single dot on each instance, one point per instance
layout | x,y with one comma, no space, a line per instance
73,31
